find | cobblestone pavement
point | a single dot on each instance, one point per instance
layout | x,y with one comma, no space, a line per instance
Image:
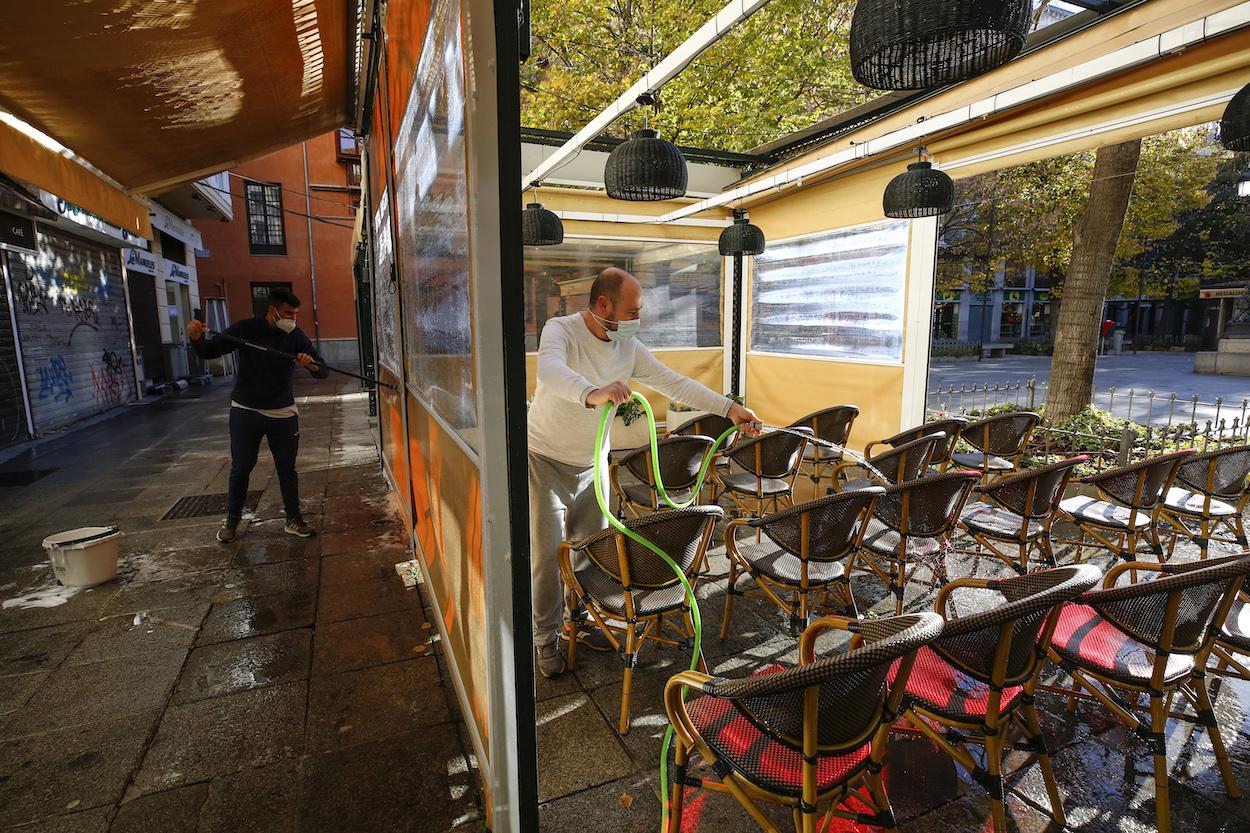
275,684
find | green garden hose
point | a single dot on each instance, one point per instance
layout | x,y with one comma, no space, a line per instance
604,418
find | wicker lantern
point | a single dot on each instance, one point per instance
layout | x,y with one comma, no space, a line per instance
645,168
920,191
741,238
540,227
1235,126
920,44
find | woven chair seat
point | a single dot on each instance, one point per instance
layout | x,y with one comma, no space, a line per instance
997,522
610,595
748,484
1190,503
759,758
859,483
1103,513
939,687
824,455
779,565
1090,642
979,461
884,541
640,494
1236,630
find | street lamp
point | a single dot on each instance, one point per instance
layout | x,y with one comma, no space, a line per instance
1243,186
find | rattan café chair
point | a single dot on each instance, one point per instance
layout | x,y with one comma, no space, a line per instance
907,461
1213,491
833,425
951,427
911,528
998,442
1151,639
803,737
1131,498
1018,511
764,469
680,460
800,553
629,591
976,681
709,425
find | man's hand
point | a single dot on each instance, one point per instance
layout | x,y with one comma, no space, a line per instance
305,360
746,418
196,329
618,393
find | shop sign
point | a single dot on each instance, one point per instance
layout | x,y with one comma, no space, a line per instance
138,260
1013,296
17,233
1041,296
945,297
84,218
1234,292
177,272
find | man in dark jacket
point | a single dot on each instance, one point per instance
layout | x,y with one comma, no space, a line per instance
262,403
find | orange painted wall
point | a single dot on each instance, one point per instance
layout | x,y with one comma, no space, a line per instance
230,269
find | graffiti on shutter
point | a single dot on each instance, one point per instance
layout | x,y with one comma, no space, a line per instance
71,319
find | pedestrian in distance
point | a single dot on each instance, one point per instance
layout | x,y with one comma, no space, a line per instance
262,404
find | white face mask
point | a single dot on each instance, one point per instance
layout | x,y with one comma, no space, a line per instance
286,325
625,330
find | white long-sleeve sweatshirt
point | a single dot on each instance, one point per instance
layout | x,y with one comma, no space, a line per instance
571,364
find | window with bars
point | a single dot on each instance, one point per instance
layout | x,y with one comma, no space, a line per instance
266,234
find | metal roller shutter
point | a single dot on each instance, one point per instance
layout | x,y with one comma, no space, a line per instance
74,331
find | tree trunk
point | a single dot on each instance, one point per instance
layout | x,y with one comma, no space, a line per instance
1085,287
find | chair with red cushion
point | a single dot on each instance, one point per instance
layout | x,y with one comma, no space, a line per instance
1151,639
1019,510
977,679
1127,508
805,737
911,528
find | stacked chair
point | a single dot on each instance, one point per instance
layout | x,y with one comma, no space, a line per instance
998,442
800,553
629,591
1127,509
803,738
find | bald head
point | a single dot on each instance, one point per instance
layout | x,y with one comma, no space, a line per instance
613,284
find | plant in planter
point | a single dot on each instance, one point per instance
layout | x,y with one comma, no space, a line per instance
630,429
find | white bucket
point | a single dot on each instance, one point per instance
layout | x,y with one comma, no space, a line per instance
84,557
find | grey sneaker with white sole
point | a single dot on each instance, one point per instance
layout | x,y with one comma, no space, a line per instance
229,530
551,659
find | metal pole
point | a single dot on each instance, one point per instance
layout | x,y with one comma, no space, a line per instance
312,258
735,350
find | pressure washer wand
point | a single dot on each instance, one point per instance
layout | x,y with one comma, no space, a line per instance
275,352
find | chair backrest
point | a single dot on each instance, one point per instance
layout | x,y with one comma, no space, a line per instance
708,425
1036,493
1003,645
950,427
926,508
833,425
853,687
774,454
1140,486
680,459
1173,614
825,529
1220,473
907,461
1004,435
682,533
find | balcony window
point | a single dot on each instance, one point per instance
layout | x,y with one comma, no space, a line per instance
266,234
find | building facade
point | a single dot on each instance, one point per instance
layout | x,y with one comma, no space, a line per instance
293,217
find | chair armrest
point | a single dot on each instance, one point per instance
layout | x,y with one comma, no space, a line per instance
939,603
807,641
675,706
868,449
1112,576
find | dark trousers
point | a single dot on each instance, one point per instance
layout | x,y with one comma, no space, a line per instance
246,430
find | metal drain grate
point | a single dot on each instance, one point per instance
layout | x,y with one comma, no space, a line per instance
22,478
200,506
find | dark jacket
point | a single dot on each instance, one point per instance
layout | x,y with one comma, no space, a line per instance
263,379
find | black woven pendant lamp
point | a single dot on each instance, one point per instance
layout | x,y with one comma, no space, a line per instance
540,227
920,44
1235,126
741,238
920,191
645,168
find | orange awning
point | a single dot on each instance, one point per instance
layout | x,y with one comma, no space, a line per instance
156,93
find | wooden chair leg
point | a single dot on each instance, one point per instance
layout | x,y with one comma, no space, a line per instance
631,657
1043,759
1158,727
881,802
1217,742
677,790
729,601
900,588
994,765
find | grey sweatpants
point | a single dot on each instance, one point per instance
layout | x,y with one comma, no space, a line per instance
562,508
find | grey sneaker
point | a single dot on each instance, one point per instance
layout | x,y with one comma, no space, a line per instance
551,659
296,526
589,636
229,530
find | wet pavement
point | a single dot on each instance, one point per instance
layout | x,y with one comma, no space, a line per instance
588,770
274,684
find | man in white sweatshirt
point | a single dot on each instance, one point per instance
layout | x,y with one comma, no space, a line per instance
585,360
